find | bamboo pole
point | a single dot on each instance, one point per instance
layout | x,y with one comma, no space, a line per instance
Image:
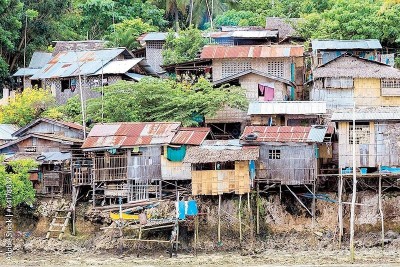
196,233
219,219
240,218
258,210
353,197
340,209
381,211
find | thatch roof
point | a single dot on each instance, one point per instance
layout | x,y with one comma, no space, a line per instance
220,153
283,25
355,67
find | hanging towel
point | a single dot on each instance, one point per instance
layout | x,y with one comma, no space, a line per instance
268,90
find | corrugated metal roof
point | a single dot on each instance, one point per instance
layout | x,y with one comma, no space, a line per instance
39,60
65,63
345,44
366,116
25,72
317,133
254,34
155,36
248,51
6,131
135,76
22,130
129,134
287,107
119,66
296,134
54,156
191,136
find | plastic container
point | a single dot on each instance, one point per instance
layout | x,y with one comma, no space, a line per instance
363,171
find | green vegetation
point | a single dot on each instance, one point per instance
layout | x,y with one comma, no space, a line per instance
27,106
156,100
22,190
122,21
183,47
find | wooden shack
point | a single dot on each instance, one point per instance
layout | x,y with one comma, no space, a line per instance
222,166
127,159
52,144
376,137
288,155
172,166
349,80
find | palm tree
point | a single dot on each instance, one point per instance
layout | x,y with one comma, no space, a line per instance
210,8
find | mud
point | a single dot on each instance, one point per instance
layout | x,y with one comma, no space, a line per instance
367,257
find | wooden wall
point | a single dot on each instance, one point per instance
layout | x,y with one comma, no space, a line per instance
380,150
215,182
146,166
171,170
367,92
250,83
297,164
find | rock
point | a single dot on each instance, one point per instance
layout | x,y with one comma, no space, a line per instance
391,234
318,233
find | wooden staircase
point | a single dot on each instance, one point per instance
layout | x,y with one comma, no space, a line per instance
59,223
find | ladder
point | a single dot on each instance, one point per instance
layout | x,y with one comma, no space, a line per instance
59,223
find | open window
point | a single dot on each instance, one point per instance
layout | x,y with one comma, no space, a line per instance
68,84
274,154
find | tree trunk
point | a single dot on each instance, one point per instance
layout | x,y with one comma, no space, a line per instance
176,18
190,12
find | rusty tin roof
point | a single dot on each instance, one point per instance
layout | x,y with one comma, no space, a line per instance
74,63
191,136
130,134
251,51
295,134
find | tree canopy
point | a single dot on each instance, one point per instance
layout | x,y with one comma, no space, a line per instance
184,46
27,106
154,99
18,177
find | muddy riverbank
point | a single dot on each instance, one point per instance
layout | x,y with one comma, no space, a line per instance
367,257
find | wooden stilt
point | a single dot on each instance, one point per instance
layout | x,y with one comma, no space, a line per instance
160,189
340,209
381,211
240,218
196,233
219,219
258,210
313,205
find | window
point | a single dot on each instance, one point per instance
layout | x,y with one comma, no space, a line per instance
341,82
275,68
155,44
204,166
274,154
390,87
362,133
233,67
68,84
228,165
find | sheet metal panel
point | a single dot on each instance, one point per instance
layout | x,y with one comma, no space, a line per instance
247,51
287,107
345,44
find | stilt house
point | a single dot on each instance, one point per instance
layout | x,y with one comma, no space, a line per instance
221,166
288,155
51,143
127,159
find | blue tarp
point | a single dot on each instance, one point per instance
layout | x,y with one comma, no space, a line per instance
176,153
186,208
